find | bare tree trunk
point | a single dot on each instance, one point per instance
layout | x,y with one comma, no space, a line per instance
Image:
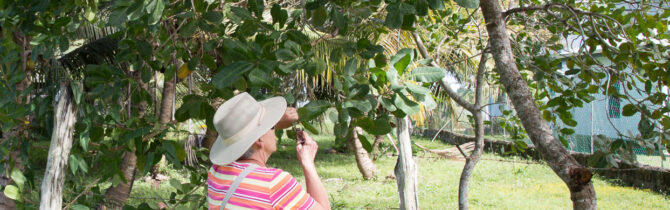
117,195
576,177
405,168
51,196
476,111
363,161
472,160
376,143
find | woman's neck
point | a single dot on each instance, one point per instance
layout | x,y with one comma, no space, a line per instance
252,160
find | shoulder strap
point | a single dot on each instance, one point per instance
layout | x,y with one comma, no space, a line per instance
236,184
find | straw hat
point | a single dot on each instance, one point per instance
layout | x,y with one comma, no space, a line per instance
240,121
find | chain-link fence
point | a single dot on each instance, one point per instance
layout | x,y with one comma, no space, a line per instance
602,117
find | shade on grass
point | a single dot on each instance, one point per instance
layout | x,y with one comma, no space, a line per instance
497,183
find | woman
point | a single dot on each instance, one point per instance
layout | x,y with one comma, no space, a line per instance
240,178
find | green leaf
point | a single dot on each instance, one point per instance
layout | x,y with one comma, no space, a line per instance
405,104
379,126
616,145
380,60
136,11
361,105
188,29
393,17
175,183
256,6
18,177
230,74
84,140
427,101
309,127
89,13
341,130
313,109
387,104
339,20
572,72
83,166
278,15
208,60
157,12
79,207
74,164
258,77
417,89
77,91
436,4
213,16
421,7
567,131
315,4
470,4
117,17
427,74
359,91
351,66
285,54
629,110
365,142
401,60
279,133
297,36
382,125
319,16
12,192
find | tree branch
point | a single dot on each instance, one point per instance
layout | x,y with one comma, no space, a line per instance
444,82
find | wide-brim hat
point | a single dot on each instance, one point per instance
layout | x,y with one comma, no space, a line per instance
241,121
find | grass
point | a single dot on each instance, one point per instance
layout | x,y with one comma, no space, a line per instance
497,183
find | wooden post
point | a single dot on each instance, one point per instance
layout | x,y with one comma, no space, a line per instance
405,168
51,196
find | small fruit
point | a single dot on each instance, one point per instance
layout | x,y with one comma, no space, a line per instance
30,64
183,71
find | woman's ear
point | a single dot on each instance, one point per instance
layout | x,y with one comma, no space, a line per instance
259,143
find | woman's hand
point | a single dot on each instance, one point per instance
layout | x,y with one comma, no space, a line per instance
307,151
290,116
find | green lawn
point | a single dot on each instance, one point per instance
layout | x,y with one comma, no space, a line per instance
497,183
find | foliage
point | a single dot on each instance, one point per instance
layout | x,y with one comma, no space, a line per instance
614,49
247,46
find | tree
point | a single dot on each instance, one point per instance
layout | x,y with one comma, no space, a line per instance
251,46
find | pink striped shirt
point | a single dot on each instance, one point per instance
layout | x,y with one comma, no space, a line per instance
263,188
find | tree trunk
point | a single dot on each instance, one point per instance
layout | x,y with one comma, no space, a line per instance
576,177
210,134
472,160
117,195
363,161
405,168
377,142
51,196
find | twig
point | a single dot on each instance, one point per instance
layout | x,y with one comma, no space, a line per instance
189,193
88,187
438,131
393,143
460,150
327,36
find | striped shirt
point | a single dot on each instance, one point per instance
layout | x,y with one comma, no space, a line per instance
263,188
